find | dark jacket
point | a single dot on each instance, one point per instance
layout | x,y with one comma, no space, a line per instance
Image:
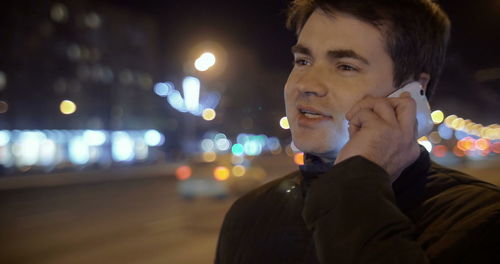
350,213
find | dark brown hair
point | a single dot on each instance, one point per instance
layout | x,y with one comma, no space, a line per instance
416,31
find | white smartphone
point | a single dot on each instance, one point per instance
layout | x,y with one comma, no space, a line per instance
424,120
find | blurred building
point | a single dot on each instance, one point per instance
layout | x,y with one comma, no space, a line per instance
102,58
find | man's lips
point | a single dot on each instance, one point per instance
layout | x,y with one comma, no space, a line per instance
311,111
311,117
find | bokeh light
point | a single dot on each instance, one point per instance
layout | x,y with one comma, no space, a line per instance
207,144
67,107
466,144
209,156
252,148
496,147
445,132
78,151
183,173
426,144
208,114
122,147
222,144
482,144
205,61
298,158
221,173
449,120
440,151
237,149
437,116
238,170
459,134
4,137
163,89
59,13
191,90
284,123
94,137
458,124
434,137
153,138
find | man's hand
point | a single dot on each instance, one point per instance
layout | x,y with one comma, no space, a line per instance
383,130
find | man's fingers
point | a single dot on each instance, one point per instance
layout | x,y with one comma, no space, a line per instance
362,118
380,106
405,110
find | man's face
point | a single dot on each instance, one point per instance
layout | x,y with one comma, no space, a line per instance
338,61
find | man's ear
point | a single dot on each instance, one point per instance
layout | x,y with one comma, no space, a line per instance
423,79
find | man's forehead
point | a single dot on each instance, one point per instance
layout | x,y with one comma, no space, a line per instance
324,32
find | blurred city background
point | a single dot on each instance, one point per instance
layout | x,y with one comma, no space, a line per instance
127,128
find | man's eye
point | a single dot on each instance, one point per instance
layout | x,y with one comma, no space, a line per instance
300,62
345,67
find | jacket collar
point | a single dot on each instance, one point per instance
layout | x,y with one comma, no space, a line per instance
409,188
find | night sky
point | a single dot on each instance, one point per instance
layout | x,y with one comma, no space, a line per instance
258,58
259,26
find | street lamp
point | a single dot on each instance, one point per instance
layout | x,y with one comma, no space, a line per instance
205,61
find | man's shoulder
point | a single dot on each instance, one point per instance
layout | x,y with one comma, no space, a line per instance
263,195
459,213
443,180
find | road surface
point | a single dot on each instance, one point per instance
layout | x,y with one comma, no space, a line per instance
137,220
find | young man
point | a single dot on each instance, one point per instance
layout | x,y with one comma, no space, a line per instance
368,193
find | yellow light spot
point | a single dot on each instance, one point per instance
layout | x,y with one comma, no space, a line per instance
284,123
299,158
67,107
238,171
491,133
466,144
424,138
209,114
449,119
475,130
458,124
437,116
221,173
209,156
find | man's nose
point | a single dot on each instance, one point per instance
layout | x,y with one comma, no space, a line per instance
312,83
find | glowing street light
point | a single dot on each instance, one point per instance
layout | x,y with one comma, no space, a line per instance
191,90
67,107
205,61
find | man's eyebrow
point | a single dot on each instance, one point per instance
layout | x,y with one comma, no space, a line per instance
347,53
300,49
334,54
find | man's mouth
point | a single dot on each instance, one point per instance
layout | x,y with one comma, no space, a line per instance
312,113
